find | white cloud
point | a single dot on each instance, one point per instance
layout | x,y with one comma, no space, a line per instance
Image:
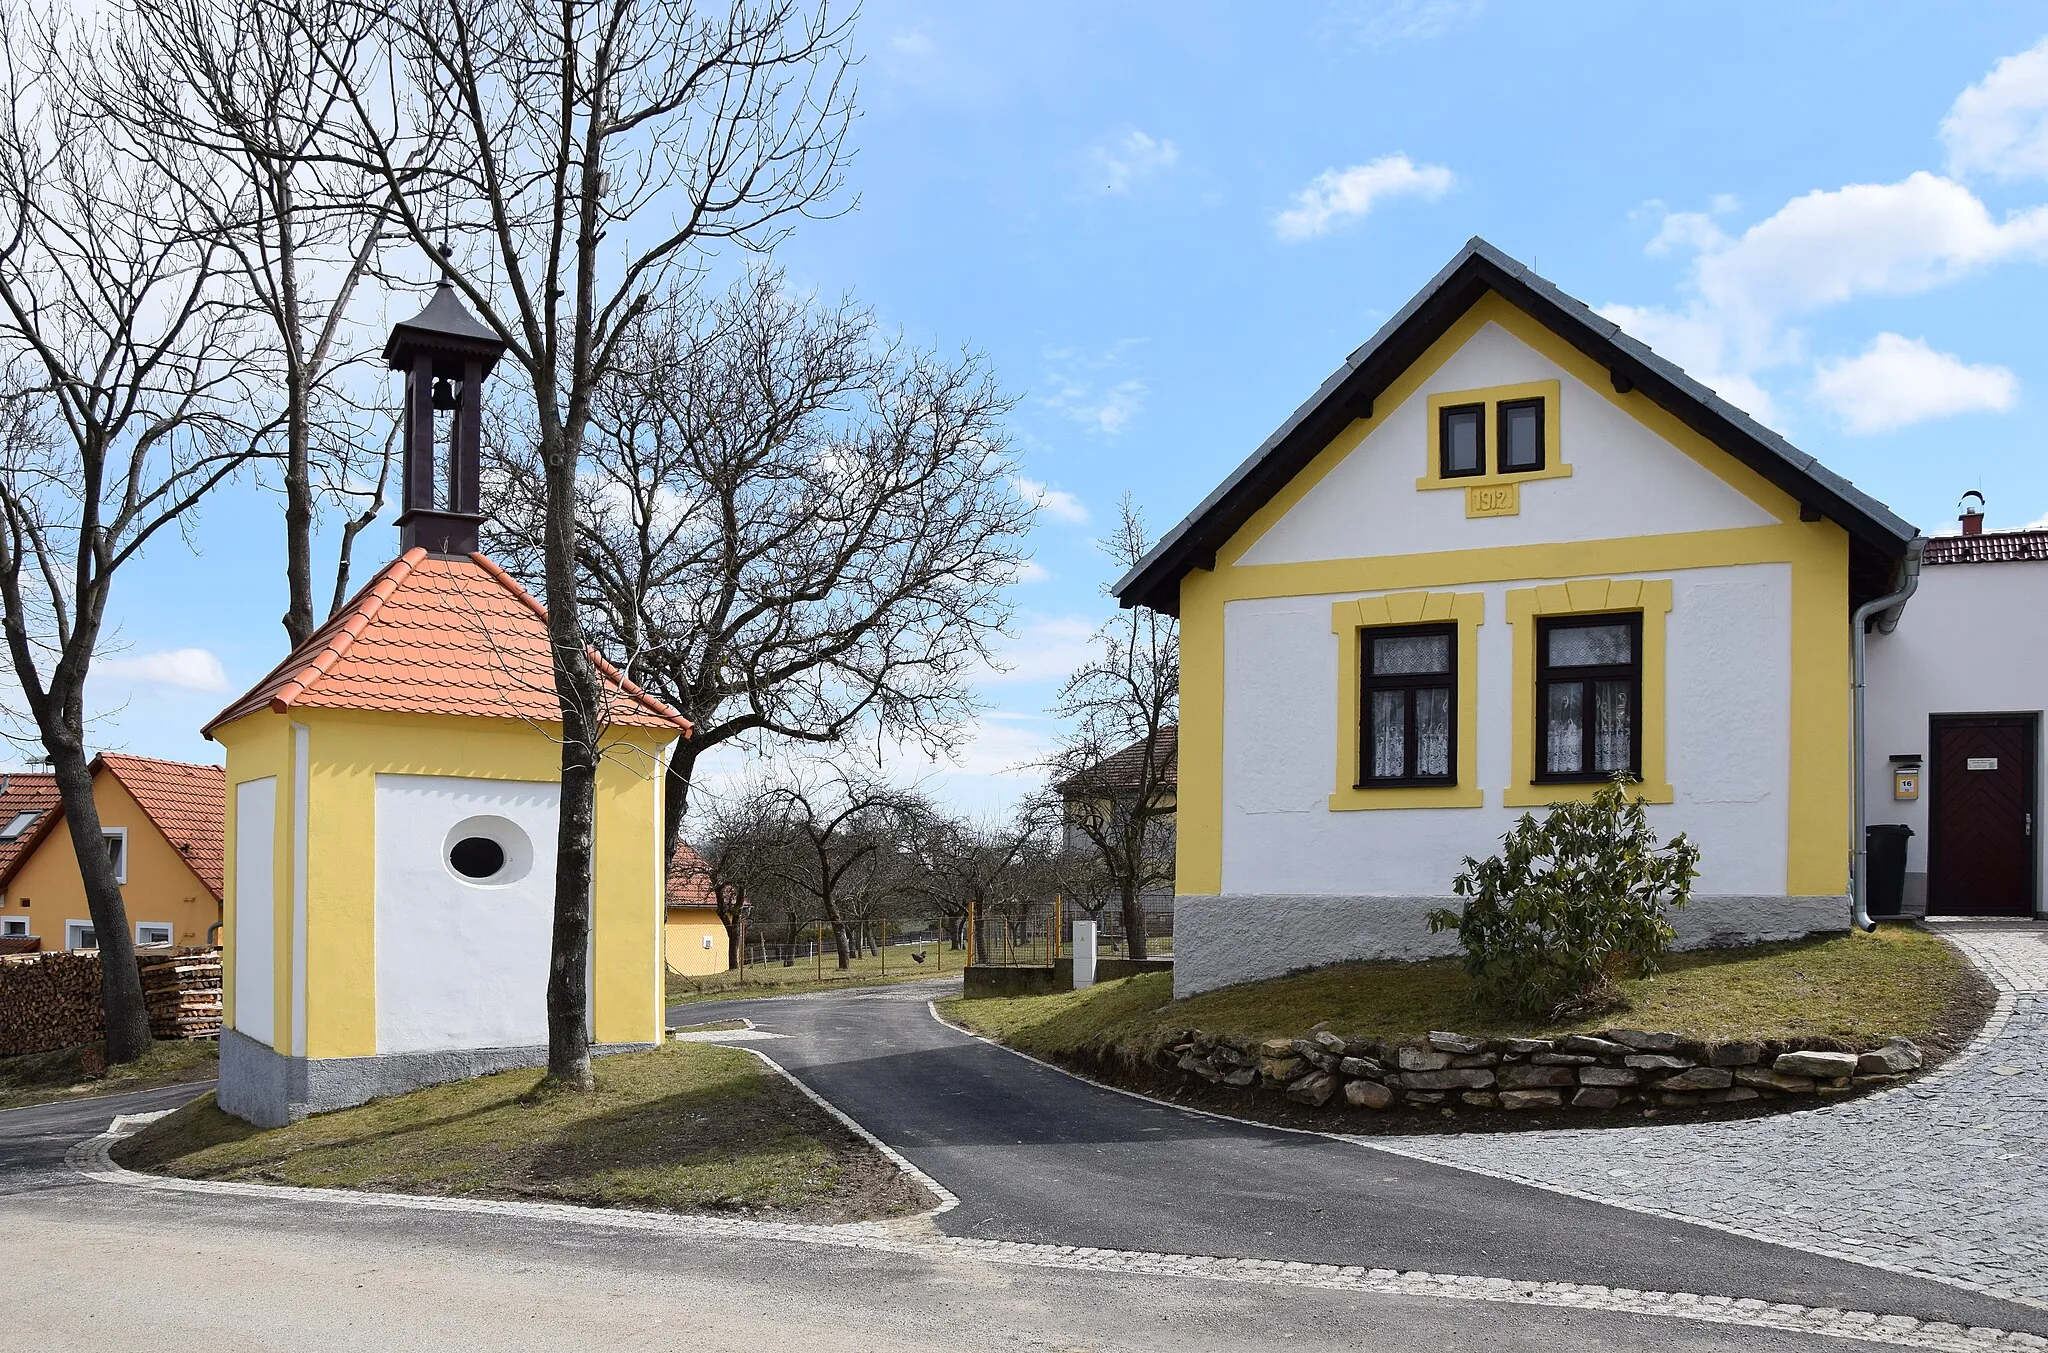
1380,23
1999,125
1044,648
1338,195
1086,389
188,669
1055,503
1819,250
1112,166
1030,571
912,44
1897,380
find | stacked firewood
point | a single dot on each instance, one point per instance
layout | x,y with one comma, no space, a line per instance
52,1000
183,994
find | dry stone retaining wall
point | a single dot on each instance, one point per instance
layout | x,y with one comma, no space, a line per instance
1623,1067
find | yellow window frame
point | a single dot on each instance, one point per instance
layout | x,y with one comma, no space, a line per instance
1493,396
1587,596
1347,618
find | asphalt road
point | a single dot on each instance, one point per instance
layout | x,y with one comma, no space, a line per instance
1035,1155
93,1266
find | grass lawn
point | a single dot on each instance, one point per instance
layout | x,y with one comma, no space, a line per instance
772,979
81,1072
1856,989
686,1127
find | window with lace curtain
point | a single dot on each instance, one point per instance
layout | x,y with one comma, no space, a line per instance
1407,713
1589,697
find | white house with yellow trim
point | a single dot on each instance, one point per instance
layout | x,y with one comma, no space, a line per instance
392,798
1504,553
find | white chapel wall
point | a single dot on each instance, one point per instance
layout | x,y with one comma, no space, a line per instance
255,936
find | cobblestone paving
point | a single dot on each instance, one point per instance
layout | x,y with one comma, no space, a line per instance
1941,1177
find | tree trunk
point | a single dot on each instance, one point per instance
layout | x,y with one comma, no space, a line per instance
120,981
842,943
298,521
675,800
1134,923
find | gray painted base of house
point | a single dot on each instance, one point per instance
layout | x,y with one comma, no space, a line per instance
1220,941
263,1086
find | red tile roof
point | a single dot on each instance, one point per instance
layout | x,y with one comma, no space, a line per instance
1992,547
24,792
186,803
438,636
689,881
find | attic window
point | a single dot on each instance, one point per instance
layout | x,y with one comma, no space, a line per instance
1464,440
1521,435
17,825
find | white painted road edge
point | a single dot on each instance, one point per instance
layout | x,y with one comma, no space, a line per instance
91,1159
2000,1013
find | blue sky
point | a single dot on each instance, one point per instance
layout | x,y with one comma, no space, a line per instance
1166,223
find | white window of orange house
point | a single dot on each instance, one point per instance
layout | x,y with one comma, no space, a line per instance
80,935
152,932
13,927
117,851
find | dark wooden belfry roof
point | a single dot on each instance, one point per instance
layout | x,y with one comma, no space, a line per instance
1877,536
447,324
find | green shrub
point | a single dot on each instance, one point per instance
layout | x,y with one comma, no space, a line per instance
1571,905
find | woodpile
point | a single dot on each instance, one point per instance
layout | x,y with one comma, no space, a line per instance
52,1000
182,993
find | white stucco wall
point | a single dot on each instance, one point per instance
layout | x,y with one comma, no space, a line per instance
461,964
255,935
1625,480
1973,640
1728,712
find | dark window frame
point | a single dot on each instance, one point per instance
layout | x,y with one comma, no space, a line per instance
1410,683
1587,678
1500,417
1443,439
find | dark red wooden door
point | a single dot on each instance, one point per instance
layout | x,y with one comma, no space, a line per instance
1980,848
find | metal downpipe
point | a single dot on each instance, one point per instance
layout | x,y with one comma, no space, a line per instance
1909,582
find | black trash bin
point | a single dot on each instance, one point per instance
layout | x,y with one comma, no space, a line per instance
1886,842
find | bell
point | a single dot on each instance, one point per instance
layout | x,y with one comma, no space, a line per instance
444,394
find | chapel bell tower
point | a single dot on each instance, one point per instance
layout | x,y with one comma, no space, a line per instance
445,353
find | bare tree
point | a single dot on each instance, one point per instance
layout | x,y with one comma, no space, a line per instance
236,98
741,844
794,526
122,369
963,863
579,156
1115,767
837,821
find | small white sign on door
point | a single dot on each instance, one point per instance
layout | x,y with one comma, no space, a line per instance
1981,763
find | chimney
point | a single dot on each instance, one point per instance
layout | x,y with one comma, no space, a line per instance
445,353
1972,516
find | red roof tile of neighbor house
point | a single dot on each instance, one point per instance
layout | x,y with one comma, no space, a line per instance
1992,547
689,882
30,792
438,636
1125,768
185,802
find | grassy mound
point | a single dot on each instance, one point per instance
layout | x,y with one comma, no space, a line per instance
1856,989
82,1072
686,1127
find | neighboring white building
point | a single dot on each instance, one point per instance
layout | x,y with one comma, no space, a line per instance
1954,724
1503,553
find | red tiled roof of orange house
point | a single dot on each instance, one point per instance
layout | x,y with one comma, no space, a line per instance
31,794
432,635
184,801
689,879
1989,547
188,804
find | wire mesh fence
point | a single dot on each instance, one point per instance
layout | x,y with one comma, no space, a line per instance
1037,935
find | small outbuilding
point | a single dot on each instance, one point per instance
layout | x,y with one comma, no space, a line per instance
393,789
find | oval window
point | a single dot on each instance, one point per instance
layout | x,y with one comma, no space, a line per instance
487,851
476,857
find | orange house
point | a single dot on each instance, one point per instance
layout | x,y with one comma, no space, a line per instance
163,822
694,936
